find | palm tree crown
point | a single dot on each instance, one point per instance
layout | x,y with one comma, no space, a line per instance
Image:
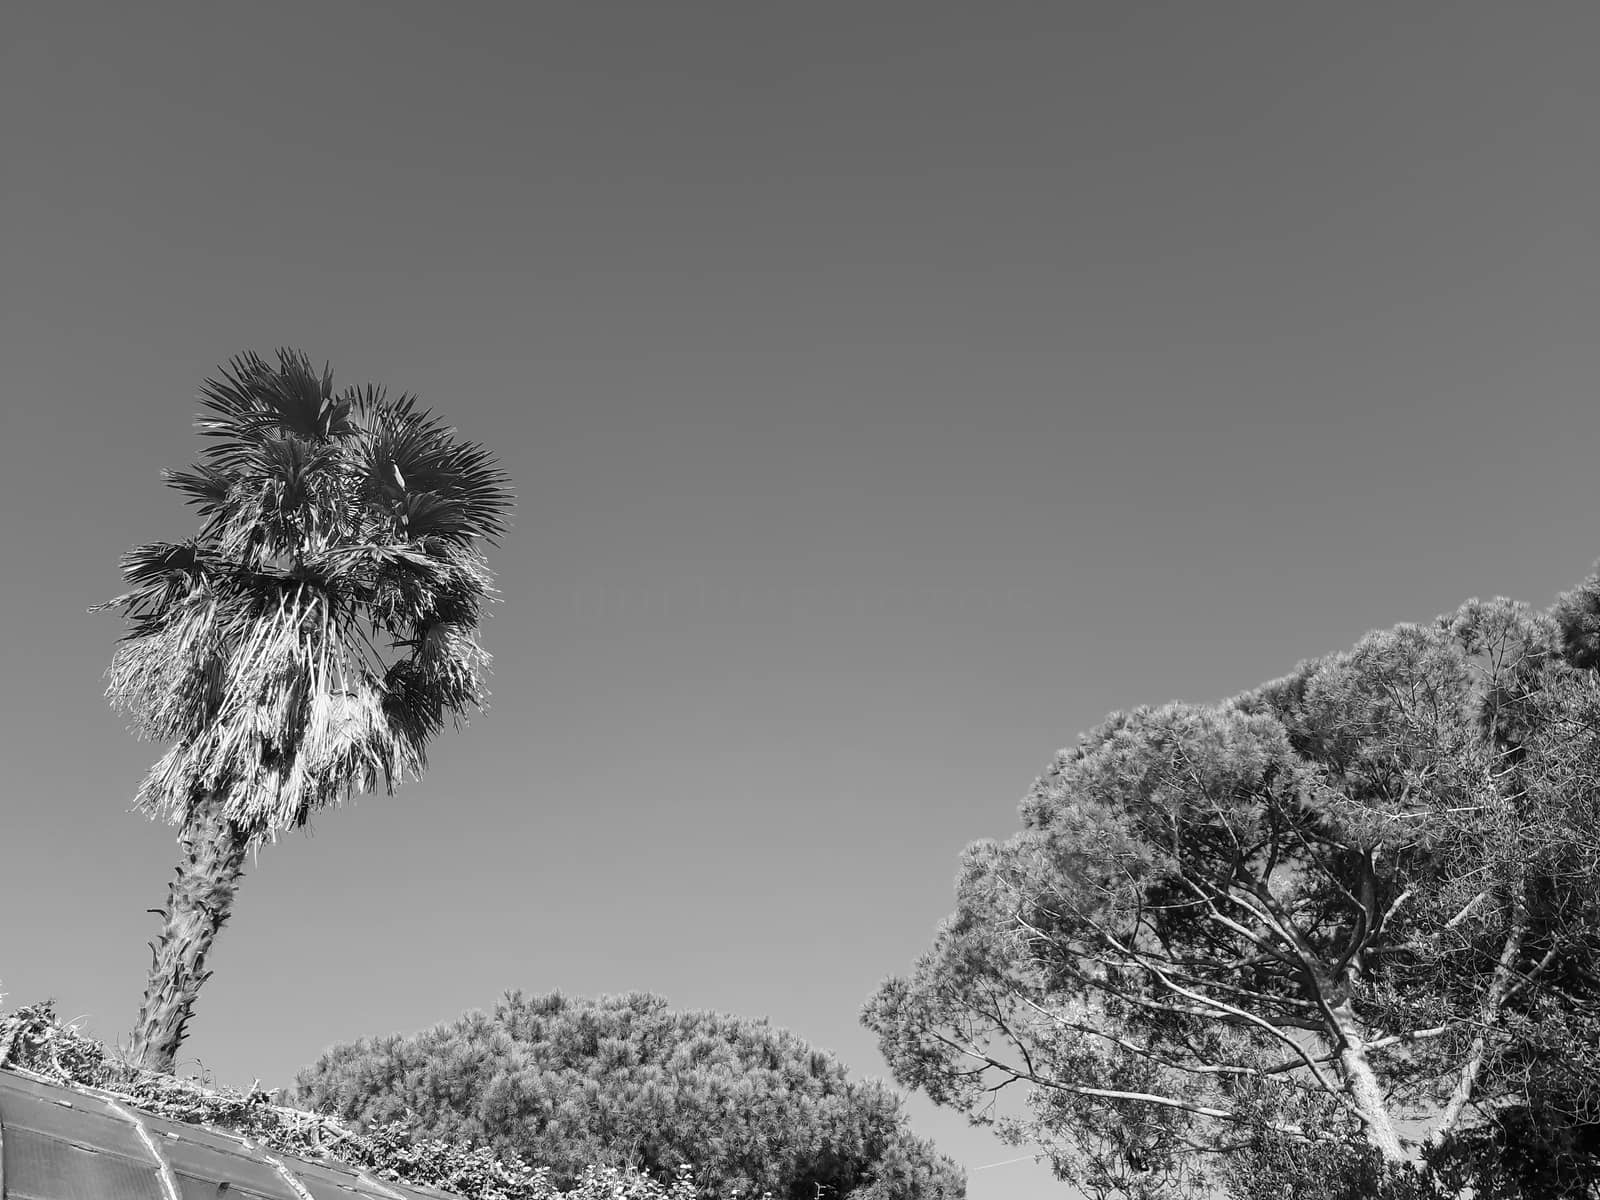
320,627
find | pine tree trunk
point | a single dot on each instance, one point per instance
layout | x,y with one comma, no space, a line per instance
199,900
1362,1083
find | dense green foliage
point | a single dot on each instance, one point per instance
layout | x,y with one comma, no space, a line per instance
625,1080
1348,920
307,642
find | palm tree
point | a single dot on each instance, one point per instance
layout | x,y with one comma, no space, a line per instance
307,643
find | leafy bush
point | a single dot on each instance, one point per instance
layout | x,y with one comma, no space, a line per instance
624,1081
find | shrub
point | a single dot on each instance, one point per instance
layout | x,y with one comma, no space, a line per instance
626,1082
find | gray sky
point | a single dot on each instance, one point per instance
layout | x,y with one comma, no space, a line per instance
891,391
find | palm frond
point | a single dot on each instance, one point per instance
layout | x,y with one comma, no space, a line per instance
408,453
204,486
452,588
291,494
162,574
252,401
368,398
170,681
322,626
157,561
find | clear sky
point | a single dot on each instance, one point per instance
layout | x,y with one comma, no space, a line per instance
890,390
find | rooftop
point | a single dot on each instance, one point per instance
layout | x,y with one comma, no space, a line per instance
81,1143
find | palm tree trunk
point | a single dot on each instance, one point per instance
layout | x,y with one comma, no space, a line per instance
199,900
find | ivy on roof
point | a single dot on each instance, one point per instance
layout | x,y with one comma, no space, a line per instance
36,1043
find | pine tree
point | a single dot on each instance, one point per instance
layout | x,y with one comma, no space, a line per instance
625,1080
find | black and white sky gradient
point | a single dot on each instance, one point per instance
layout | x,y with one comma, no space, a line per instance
891,391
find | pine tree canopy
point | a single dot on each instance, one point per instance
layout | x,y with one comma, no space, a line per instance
1351,916
625,1080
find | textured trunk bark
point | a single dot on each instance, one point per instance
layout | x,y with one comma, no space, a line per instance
199,900
1362,1083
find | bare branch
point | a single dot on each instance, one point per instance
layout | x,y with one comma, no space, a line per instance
1499,988
1469,907
1200,1110
1239,1014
